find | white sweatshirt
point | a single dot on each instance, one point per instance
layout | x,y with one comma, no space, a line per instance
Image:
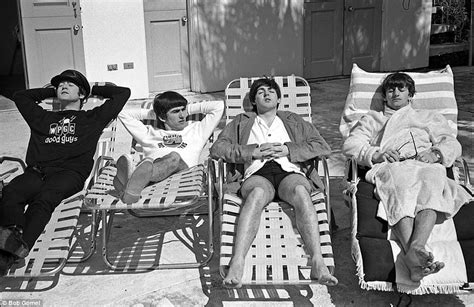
188,143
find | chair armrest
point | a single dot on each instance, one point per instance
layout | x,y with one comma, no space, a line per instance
13,159
463,167
98,164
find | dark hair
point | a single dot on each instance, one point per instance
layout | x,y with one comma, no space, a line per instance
271,83
398,80
166,101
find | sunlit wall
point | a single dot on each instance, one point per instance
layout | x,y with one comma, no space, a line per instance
406,27
245,38
114,33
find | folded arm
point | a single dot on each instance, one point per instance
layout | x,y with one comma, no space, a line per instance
27,103
226,146
358,144
213,111
132,120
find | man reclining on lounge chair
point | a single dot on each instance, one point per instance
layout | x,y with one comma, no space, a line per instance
408,151
173,147
59,157
271,148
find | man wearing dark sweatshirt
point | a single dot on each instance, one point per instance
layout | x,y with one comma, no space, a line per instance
59,157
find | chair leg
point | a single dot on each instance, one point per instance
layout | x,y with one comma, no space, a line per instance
95,223
106,232
333,225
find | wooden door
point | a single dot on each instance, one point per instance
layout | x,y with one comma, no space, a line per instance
52,38
339,33
167,45
323,30
362,34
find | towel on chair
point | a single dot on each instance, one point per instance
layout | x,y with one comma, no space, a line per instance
405,188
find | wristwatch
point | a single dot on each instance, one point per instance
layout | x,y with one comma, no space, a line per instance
437,153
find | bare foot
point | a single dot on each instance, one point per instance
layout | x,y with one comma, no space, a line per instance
233,278
435,267
418,273
419,256
420,263
320,272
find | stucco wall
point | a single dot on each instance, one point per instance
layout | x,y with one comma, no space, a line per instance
244,38
406,27
114,33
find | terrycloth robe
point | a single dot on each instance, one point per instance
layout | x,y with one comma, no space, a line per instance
407,187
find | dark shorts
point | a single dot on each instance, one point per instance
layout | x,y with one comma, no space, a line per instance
273,172
274,180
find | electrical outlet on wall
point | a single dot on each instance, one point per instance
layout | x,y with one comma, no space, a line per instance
112,67
128,65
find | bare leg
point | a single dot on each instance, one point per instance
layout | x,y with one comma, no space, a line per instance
295,191
413,235
417,255
403,230
257,193
166,166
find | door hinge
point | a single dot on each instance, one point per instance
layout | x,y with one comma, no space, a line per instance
304,61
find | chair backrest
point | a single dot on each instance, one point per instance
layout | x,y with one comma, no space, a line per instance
295,96
106,144
434,91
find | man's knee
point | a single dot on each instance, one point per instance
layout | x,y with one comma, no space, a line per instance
173,160
258,189
172,157
259,193
295,184
296,190
257,197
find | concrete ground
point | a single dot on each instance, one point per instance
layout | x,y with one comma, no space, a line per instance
172,239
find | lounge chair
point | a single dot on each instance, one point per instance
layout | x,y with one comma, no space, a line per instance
189,192
277,255
374,248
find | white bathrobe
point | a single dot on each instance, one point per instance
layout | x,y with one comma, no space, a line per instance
407,187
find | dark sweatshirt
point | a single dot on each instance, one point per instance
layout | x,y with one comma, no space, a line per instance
67,139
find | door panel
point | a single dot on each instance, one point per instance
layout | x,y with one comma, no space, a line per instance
164,5
48,8
339,33
362,34
167,50
323,39
50,49
52,39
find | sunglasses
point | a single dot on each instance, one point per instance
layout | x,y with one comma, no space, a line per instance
414,145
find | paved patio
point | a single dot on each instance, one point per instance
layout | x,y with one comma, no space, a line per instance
91,283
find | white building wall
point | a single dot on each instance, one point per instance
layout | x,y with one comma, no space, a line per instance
236,38
114,33
232,38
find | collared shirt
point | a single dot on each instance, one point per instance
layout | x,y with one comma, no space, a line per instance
276,133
